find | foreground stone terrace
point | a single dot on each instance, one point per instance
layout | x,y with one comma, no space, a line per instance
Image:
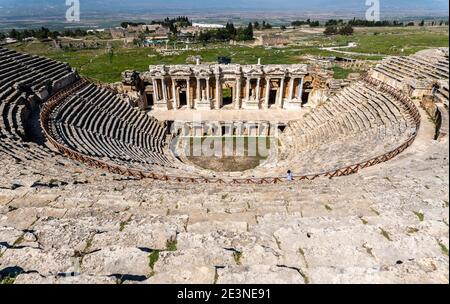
62,222
388,224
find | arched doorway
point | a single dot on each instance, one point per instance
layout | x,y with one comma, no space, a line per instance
227,94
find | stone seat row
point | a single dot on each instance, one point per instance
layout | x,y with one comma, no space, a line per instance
101,103
415,67
345,152
21,79
434,70
442,95
357,124
106,148
99,124
356,109
30,70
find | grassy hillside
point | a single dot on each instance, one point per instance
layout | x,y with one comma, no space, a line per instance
97,64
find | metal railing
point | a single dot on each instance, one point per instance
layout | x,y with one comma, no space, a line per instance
55,100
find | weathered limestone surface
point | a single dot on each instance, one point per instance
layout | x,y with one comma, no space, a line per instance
388,224
63,222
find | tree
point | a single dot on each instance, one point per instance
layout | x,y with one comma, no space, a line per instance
422,23
13,34
110,55
331,30
54,35
346,30
245,34
266,25
249,32
283,27
231,30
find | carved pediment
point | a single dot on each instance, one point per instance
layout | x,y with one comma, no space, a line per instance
299,69
146,76
275,70
227,71
157,71
180,71
202,71
253,70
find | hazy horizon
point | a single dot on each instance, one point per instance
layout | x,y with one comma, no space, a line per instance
102,13
20,7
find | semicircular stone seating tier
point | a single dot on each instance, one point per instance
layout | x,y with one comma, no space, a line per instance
25,82
428,65
100,124
357,124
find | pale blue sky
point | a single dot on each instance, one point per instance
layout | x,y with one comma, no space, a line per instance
405,5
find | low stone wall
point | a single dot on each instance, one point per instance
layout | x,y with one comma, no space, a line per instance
439,113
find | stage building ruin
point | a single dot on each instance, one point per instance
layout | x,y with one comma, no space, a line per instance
216,86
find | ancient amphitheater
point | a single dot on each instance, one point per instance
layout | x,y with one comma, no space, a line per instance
93,191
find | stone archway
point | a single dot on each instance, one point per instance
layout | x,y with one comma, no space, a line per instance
228,93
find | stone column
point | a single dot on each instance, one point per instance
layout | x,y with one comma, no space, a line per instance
164,90
207,90
291,88
247,89
188,93
300,89
199,92
155,89
238,92
281,94
258,89
218,92
174,93
266,98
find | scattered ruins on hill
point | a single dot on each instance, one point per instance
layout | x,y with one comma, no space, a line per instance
92,190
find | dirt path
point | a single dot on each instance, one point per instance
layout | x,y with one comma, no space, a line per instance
337,49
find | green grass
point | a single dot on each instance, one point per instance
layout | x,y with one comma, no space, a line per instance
237,257
152,259
444,248
7,280
123,224
412,230
363,220
229,153
375,211
95,63
393,41
419,215
340,73
171,245
385,234
302,253
368,250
